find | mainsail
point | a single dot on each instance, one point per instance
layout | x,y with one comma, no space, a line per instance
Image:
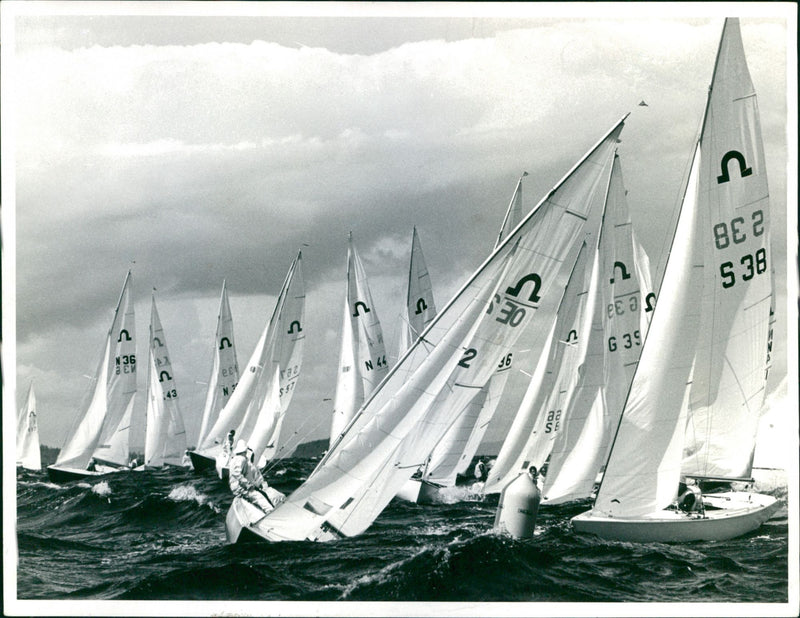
539,417
456,355
101,429
280,345
705,353
420,308
165,434
623,303
362,359
28,451
224,375
453,454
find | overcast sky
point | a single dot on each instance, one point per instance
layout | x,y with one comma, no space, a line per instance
193,149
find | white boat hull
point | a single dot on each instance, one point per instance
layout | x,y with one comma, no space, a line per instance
421,492
728,515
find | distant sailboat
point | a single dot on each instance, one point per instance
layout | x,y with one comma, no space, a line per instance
280,348
623,304
696,396
600,329
165,433
453,454
223,380
420,308
28,451
362,358
421,397
98,441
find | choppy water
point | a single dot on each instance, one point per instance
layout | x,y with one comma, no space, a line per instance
160,535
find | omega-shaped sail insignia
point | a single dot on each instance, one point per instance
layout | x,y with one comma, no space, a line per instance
743,169
355,308
623,270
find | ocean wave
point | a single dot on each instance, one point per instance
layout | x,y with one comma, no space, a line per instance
189,493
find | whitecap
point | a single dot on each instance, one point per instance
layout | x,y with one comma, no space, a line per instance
102,489
189,493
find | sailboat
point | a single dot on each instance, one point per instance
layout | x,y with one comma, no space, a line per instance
362,357
420,308
28,451
97,443
600,329
695,399
222,382
623,306
280,348
165,433
453,454
517,288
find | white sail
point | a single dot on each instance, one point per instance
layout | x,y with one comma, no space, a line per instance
28,451
619,326
454,453
101,429
712,318
268,416
420,308
281,333
539,417
362,360
165,433
729,376
404,419
224,375
287,360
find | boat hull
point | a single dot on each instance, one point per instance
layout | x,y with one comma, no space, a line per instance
728,515
65,475
201,463
419,491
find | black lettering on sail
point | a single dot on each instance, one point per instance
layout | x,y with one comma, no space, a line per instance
537,285
164,376
225,343
743,169
355,307
421,306
127,335
650,302
292,325
623,270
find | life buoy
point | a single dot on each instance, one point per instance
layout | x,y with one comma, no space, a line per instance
690,500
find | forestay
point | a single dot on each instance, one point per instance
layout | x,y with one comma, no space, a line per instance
455,356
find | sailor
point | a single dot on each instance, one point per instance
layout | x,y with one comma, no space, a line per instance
228,446
480,470
246,481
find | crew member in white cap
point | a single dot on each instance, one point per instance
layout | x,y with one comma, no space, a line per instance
246,481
